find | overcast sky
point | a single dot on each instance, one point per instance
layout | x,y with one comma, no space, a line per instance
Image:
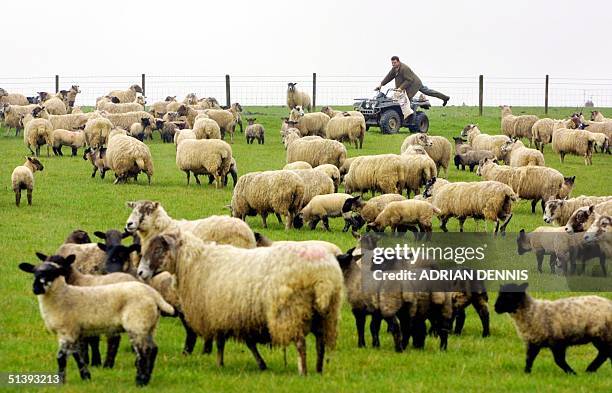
436,38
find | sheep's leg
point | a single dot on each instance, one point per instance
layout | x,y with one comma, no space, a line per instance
418,332
264,216
30,196
300,345
532,352
360,320
443,330
461,222
17,196
188,176
313,223
533,205
602,264
404,320
539,260
220,350
375,329
552,262
483,312
505,224
559,355
326,223
562,157
320,342
74,151
142,364
395,331
111,351
62,356
443,221
459,320
37,151
208,346
602,355
102,173
83,371
152,355
252,345
190,336
94,343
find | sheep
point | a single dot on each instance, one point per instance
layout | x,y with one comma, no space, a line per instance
598,127
507,121
489,199
542,242
599,232
415,149
127,156
516,126
349,128
575,142
159,109
205,128
22,178
480,141
321,208
113,105
125,120
72,312
569,246
55,105
12,98
315,183
289,290
344,167
37,132
13,115
188,112
440,152
251,195
203,157
137,130
468,292
254,131
534,183
225,119
366,212
125,96
316,151
74,139
97,131
329,111
559,211
598,116
236,110
542,131
558,324
516,154
416,139
70,98
331,171
68,122
584,216
297,98
289,136
76,110
298,165
78,236
309,123
602,141
418,169
97,159
472,158
382,172
182,135
461,147
401,214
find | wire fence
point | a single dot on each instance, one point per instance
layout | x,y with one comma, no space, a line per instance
336,90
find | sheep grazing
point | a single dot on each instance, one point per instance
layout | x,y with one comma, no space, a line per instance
73,139
125,96
252,195
36,133
602,142
321,208
316,151
575,142
297,165
331,171
366,212
22,178
297,98
344,167
480,141
542,131
329,111
489,199
542,242
291,290
516,126
127,157
309,123
558,324
559,211
583,217
97,159
254,131
402,215
73,312
205,128
342,128
204,157
516,154
471,158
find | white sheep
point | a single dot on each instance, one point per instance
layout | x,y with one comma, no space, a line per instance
297,98
321,208
206,128
516,154
315,183
127,157
316,151
329,111
128,95
183,134
309,123
480,141
401,215
332,171
366,211
542,131
36,133
73,139
351,128
203,157
97,131
225,119
575,142
298,165
559,211
22,178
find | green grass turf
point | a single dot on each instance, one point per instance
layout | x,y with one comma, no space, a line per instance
66,198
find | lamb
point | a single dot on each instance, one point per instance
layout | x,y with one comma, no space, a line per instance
558,324
188,112
480,141
128,95
602,142
254,131
298,165
297,98
542,131
351,128
366,212
535,183
316,151
599,232
97,158
251,195
37,132
137,130
461,147
401,214
22,178
542,242
309,123
489,199
127,157
516,154
472,158
559,211
72,312
321,208
226,121
12,98
331,171
575,142
304,295
329,111
468,292
583,217
74,139
97,131
204,128
203,157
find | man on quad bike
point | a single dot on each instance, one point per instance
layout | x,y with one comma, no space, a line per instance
409,82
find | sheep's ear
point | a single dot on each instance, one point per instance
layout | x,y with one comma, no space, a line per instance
100,234
102,246
168,241
41,256
522,230
131,205
155,205
134,248
523,286
591,209
69,260
125,234
27,267
344,260
29,158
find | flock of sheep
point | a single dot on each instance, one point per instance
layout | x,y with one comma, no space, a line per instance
288,289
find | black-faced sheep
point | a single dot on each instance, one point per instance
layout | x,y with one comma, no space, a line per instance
471,158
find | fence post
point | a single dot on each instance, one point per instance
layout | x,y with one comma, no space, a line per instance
227,91
480,93
546,95
56,84
142,78
314,90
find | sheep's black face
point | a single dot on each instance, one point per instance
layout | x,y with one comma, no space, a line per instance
37,164
357,222
291,86
46,272
510,298
118,257
78,236
298,221
522,244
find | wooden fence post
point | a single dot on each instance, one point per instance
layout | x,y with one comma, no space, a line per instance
480,93
56,84
227,91
546,95
314,90
142,78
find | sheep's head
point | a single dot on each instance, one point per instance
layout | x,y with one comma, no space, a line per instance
181,111
483,163
36,112
44,96
298,221
190,99
579,218
251,121
459,140
507,147
35,164
601,226
47,272
160,255
327,110
423,140
136,88
33,99
143,215
237,107
428,192
594,115
522,243
3,92
170,99
511,297
140,99
467,129
75,89
145,121
159,124
118,256
552,209
112,237
345,260
291,86
78,236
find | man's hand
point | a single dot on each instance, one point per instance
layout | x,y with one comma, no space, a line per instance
377,88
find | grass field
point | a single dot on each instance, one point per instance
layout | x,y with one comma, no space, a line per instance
66,198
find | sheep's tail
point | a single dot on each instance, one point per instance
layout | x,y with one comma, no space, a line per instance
141,164
436,210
